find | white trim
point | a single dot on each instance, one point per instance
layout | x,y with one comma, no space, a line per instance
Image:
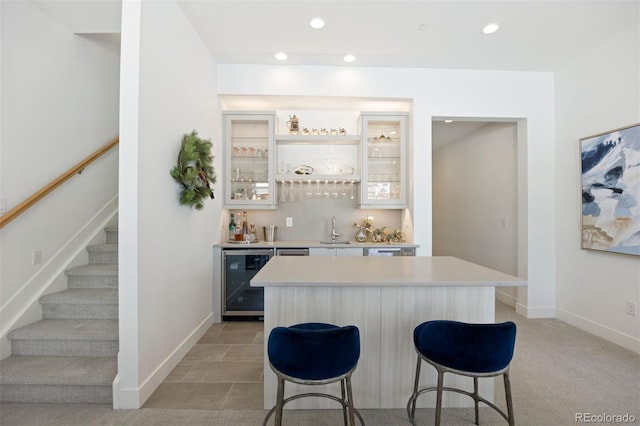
114,390
535,312
505,298
600,330
133,398
23,307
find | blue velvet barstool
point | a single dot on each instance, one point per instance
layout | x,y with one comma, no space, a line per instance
314,354
473,350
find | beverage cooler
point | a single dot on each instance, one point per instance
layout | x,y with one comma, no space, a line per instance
240,300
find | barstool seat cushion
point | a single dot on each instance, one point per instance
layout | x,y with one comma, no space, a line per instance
478,348
314,351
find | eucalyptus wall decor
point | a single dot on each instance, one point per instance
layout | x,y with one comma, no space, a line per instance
194,170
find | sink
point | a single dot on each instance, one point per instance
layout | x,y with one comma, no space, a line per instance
335,242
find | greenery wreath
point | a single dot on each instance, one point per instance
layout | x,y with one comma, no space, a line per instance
194,171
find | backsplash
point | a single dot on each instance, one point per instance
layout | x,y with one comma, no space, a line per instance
312,219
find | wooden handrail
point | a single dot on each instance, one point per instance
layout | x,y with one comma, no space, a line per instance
37,196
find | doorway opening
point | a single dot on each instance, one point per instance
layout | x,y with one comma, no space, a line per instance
477,195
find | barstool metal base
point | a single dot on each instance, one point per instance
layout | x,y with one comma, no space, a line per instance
411,404
348,410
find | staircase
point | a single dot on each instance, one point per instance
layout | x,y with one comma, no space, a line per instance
70,356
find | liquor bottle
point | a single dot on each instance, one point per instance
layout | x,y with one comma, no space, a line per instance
245,228
238,235
232,227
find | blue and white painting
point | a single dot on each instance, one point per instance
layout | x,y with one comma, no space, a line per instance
611,191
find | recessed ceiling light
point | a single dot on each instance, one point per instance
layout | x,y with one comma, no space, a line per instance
316,23
349,58
281,56
490,28
448,121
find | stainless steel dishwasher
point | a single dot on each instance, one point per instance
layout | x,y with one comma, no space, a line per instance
292,252
390,251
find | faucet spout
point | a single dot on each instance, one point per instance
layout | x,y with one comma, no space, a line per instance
334,234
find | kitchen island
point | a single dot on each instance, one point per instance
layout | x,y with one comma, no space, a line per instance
386,298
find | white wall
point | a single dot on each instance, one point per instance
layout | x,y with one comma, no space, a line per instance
595,93
168,89
475,200
451,93
59,104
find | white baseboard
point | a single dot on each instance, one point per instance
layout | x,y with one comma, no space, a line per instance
505,298
134,398
600,330
535,311
23,307
115,385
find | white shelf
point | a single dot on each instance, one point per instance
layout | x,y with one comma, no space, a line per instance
312,178
318,139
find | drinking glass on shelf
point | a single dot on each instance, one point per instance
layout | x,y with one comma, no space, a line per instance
281,195
292,193
309,191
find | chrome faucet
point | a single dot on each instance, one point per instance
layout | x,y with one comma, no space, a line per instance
334,234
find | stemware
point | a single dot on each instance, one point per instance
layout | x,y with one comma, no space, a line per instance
292,192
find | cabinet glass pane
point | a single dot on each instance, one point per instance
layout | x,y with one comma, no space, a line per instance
249,162
384,156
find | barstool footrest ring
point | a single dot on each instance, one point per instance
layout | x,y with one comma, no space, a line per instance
316,394
475,396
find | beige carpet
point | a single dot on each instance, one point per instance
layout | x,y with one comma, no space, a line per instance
558,373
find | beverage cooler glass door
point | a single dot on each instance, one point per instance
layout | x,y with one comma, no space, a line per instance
239,298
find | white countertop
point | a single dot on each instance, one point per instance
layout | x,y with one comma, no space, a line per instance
309,244
406,271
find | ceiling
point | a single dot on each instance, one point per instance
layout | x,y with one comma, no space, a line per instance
537,35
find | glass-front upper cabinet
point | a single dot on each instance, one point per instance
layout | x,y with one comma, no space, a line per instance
384,160
248,171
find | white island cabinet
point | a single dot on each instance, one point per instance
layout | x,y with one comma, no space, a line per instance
386,298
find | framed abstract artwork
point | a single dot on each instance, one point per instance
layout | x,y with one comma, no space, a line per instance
610,171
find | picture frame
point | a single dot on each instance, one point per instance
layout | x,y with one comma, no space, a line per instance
610,191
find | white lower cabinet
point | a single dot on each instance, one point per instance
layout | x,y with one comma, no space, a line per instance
335,251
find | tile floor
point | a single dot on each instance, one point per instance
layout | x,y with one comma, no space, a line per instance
224,370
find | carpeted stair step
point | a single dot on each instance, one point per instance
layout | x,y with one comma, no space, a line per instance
57,379
103,253
93,276
66,337
81,303
112,233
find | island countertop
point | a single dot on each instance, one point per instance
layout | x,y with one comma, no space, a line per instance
405,271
